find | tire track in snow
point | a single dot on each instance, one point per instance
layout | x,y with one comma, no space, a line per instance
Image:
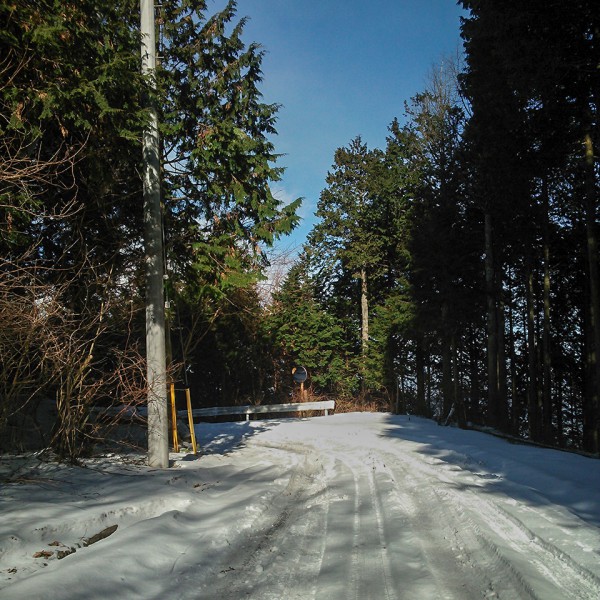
356,561
454,565
379,520
523,554
300,546
385,559
555,565
368,550
356,566
369,567
372,523
267,563
337,577
398,546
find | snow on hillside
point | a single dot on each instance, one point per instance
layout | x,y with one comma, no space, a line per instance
346,506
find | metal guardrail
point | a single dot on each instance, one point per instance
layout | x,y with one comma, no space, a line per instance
250,409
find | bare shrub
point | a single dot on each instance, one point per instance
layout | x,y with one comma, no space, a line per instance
77,359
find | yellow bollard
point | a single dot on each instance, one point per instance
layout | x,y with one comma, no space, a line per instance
174,419
190,418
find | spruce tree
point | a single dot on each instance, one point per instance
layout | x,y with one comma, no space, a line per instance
348,247
218,159
305,333
533,85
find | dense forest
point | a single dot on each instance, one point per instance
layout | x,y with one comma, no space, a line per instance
451,274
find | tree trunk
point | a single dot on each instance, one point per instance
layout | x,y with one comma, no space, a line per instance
559,415
364,310
546,357
502,408
592,436
492,325
364,322
447,387
158,426
517,408
459,404
429,386
421,408
473,410
532,406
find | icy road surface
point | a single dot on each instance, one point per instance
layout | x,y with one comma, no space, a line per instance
354,506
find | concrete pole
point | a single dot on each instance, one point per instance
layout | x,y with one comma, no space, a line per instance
158,426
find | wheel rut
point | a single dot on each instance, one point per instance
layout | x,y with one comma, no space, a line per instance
265,562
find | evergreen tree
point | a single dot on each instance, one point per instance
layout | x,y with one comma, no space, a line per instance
532,83
442,266
218,160
304,333
218,166
71,119
347,245
70,100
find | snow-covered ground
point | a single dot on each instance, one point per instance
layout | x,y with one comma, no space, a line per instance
348,506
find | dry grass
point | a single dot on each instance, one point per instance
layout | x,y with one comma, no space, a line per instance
346,405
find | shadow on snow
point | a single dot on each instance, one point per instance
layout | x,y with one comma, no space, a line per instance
538,476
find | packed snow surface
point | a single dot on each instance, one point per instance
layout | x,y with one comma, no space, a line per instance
348,506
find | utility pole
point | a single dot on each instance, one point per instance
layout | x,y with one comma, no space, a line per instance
158,426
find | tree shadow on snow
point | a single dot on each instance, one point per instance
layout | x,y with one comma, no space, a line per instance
493,465
223,438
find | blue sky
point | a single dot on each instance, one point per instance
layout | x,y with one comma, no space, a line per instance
342,68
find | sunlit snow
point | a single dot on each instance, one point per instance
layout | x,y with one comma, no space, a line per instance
347,506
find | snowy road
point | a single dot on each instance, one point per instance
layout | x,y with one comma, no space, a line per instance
358,506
